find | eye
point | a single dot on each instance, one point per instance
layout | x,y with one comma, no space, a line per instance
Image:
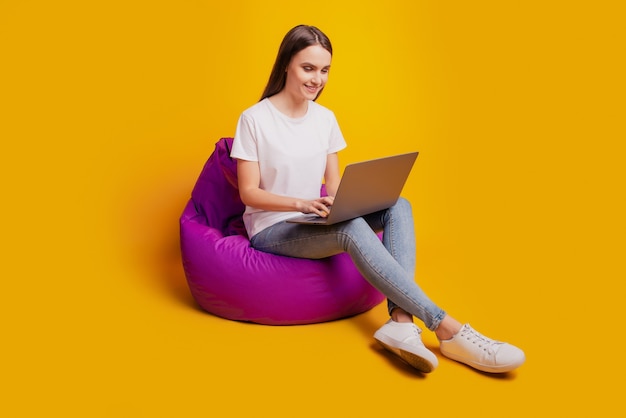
325,70
307,69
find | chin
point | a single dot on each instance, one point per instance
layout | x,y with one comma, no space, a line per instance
309,96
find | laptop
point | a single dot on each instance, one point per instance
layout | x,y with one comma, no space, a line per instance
365,187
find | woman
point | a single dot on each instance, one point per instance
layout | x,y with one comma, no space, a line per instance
285,146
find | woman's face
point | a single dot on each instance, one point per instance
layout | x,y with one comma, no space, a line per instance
307,72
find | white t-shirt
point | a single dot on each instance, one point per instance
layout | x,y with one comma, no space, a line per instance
291,153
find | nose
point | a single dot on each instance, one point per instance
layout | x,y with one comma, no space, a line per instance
317,79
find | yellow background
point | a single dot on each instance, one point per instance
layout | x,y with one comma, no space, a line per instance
109,110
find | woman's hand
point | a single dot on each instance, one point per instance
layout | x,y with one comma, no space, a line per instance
320,207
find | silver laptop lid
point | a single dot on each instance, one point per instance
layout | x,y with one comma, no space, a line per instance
366,187
370,186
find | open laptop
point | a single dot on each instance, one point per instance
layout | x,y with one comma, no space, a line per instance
365,187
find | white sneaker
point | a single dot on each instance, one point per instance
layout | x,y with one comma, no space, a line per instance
474,349
404,340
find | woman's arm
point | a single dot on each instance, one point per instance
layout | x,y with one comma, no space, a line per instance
331,175
249,179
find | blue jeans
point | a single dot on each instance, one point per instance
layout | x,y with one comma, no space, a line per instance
388,265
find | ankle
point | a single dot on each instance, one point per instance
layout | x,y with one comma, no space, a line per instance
401,316
448,328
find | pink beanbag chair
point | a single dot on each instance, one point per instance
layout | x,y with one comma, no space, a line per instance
230,279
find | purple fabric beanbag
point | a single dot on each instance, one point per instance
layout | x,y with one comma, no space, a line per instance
230,279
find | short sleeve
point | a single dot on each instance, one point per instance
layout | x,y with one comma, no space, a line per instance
244,143
337,141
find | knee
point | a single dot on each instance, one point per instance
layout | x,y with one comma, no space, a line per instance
354,226
403,205
352,231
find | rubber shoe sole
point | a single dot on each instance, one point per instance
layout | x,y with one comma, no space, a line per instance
420,363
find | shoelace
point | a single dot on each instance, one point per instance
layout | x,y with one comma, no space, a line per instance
487,344
416,331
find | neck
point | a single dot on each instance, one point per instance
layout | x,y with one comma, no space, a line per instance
290,106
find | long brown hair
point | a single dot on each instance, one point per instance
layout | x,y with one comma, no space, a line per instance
298,38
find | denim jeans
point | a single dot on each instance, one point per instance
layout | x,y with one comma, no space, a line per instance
388,265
